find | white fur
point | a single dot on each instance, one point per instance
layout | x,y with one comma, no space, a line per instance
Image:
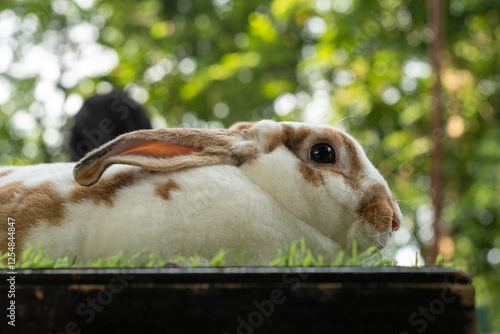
197,219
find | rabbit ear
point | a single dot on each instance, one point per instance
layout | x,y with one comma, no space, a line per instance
163,150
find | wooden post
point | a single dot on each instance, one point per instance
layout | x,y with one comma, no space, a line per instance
436,12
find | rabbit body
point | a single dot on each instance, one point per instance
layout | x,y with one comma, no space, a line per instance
251,203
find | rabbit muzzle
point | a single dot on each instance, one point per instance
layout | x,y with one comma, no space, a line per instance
379,209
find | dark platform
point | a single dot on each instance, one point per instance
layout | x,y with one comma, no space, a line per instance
241,300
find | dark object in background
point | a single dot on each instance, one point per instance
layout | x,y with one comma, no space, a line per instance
102,118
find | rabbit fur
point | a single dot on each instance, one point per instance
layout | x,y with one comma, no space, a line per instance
251,189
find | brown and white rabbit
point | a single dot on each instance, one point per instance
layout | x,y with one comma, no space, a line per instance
251,189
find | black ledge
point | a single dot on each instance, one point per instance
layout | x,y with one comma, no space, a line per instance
240,300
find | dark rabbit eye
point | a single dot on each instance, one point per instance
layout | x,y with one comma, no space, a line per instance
322,154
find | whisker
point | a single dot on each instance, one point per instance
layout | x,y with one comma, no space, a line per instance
379,235
343,119
406,202
380,243
389,219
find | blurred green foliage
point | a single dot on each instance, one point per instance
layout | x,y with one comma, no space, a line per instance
206,63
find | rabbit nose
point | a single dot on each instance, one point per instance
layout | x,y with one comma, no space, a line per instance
395,224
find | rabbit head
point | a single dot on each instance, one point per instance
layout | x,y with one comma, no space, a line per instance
318,174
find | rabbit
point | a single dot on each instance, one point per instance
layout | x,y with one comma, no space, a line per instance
251,189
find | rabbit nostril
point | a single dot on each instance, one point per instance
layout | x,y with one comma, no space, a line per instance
395,224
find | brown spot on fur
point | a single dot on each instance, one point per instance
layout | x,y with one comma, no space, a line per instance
354,161
375,207
27,206
5,173
293,138
104,191
164,189
245,155
310,173
274,142
289,136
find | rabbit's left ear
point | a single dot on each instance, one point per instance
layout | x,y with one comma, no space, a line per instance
163,150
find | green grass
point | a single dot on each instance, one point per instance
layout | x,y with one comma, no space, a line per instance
296,255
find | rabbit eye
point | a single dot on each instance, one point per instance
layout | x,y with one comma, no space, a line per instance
322,154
